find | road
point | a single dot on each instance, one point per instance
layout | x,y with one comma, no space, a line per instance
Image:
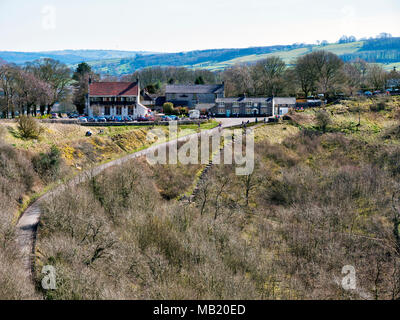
229,122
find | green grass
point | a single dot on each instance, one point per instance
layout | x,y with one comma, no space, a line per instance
288,56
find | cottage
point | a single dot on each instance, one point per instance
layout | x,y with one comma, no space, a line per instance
243,106
115,99
281,106
252,106
192,95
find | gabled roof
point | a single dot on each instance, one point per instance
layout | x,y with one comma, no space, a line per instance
195,88
243,100
278,100
114,89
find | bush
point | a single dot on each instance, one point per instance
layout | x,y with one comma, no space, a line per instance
381,105
323,119
48,164
168,108
28,127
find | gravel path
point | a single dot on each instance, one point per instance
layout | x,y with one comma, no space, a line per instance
29,220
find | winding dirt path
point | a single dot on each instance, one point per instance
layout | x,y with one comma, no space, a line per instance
29,220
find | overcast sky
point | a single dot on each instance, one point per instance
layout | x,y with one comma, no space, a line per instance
182,25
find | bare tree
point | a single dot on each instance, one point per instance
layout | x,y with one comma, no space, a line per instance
56,74
268,76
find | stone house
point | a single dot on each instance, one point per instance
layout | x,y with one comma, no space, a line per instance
193,95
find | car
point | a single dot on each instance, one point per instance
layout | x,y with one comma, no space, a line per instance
82,119
54,116
126,118
101,119
91,119
118,119
368,93
110,118
166,118
150,118
141,118
173,117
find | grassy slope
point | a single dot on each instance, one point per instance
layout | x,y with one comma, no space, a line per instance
116,66
287,56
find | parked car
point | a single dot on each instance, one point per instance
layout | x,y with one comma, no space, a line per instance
194,114
101,119
82,119
166,118
127,118
91,119
368,93
54,116
118,119
141,118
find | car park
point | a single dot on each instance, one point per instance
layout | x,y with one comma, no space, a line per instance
127,118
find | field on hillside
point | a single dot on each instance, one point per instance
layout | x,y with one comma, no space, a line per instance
288,56
383,51
318,200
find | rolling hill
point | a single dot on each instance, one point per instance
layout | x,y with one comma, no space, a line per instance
383,51
117,63
67,56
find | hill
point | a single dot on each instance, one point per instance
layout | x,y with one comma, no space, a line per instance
67,56
112,62
383,51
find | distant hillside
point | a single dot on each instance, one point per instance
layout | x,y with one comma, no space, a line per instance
384,51
112,62
67,56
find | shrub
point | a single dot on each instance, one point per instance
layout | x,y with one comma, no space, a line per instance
2,132
323,119
381,105
168,108
48,164
28,127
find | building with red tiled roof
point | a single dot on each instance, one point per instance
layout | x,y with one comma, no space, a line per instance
122,89
115,99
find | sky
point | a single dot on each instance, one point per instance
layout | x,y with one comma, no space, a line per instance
184,25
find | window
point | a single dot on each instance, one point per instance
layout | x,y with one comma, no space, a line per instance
107,111
194,96
130,110
119,110
221,110
118,98
264,110
248,111
235,110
